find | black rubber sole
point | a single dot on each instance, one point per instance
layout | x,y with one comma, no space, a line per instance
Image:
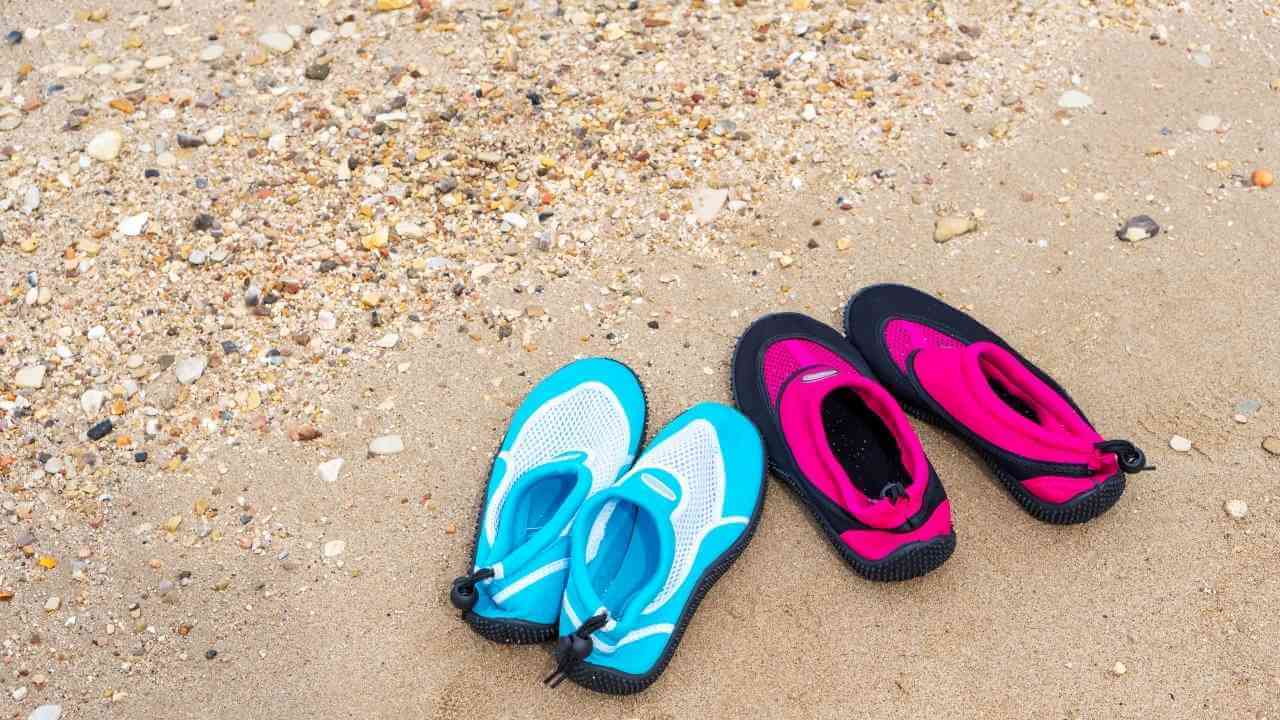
1079,509
612,682
907,562
510,632
522,632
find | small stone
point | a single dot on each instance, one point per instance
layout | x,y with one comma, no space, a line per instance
46,712
444,186
707,203
214,135
105,145
31,376
304,433
211,53
951,226
1248,407
132,225
13,37
330,470
197,257
386,445
1119,669
1209,123
334,548
1262,178
210,654
844,243
809,113
158,62
100,430
1138,227
1074,100
318,71
1271,444
276,41
387,341
389,5
52,604
189,141
320,37
515,220
20,693
91,401
326,320
190,368
1237,509
1179,443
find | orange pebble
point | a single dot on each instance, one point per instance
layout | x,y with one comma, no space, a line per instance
1263,178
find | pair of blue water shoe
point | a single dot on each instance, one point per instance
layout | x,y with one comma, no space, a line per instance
580,540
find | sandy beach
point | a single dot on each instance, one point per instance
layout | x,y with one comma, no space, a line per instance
401,222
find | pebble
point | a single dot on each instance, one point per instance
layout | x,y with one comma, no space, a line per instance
20,693
275,41
515,220
1179,443
948,227
1209,123
1074,100
1237,509
386,445
211,53
334,548
387,341
52,604
46,712
189,141
100,430
1119,669
1271,444
320,37
1138,227
31,376
190,368
1262,178
91,401
330,470
158,62
132,225
214,135
707,203
105,145
318,71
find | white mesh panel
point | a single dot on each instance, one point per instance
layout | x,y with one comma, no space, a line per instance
692,456
588,418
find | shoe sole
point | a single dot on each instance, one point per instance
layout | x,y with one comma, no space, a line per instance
909,561
614,682
1079,509
523,632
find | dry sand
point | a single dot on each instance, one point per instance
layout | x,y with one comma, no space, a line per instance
1154,339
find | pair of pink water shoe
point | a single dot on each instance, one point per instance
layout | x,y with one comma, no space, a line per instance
831,411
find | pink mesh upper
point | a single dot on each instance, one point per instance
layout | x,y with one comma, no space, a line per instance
903,336
784,358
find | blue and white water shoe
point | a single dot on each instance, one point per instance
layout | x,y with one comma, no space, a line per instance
647,549
574,434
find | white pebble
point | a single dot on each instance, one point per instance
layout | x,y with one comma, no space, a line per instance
334,548
189,369
276,41
1119,669
1236,508
46,712
105,145
330,470
1179,443
132,225
388,341
386,445
91,402
211,53
1074,100
31,376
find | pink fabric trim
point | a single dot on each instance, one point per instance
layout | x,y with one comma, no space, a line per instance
1058,489
874,545
901,337
782,359
958,381
800,408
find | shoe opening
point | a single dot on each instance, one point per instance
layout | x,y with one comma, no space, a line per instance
863,444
